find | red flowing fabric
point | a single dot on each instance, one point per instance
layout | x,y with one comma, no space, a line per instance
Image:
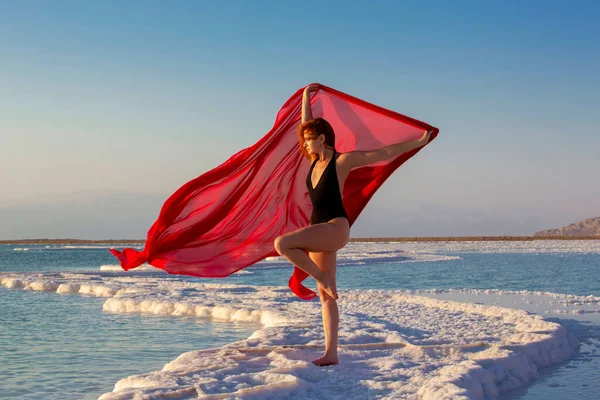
228,218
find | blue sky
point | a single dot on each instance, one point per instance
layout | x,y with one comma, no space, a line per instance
108,107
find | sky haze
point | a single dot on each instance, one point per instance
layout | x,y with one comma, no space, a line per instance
108,107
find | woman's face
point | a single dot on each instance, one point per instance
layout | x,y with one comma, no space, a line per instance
312,144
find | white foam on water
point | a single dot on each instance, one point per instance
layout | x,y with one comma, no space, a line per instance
95,246
393,343
142,268
354,254
533,246
534,301
410,252
376,250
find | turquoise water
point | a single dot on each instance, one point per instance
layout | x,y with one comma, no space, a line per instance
55,258
559,273
63,346
56,346
570,273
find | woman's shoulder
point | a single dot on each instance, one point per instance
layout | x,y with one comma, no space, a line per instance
353,159
343,161
343,156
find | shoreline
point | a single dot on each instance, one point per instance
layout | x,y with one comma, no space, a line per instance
294,345
380,239
501,349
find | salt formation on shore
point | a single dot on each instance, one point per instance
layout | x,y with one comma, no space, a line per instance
392,344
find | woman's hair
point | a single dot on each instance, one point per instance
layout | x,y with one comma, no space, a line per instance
315,128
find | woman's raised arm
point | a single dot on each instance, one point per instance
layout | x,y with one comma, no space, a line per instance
356,159
306,111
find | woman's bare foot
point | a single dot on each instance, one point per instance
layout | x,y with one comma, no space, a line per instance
328,283
326,360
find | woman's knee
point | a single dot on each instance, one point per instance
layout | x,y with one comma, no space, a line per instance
277,244
324,297
280,244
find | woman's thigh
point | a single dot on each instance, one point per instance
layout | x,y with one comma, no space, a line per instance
319,238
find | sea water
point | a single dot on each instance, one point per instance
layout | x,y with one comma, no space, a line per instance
56,346
65,347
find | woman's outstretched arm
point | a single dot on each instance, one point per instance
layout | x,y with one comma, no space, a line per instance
306,111
356,159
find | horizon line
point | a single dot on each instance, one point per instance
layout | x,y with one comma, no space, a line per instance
483,238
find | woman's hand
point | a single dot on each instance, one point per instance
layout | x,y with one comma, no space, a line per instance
425,138
311,88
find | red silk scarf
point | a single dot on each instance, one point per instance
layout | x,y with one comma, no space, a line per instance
228,218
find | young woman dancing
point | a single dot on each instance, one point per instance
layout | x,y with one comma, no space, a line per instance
313,248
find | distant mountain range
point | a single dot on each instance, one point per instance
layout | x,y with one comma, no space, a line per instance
587,227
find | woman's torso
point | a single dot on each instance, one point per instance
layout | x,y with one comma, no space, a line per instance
319,168
325,183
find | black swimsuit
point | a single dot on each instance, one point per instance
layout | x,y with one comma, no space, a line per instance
326,197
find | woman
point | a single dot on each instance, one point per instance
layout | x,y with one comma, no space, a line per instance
314,247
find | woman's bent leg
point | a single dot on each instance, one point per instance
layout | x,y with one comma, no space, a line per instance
326,237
